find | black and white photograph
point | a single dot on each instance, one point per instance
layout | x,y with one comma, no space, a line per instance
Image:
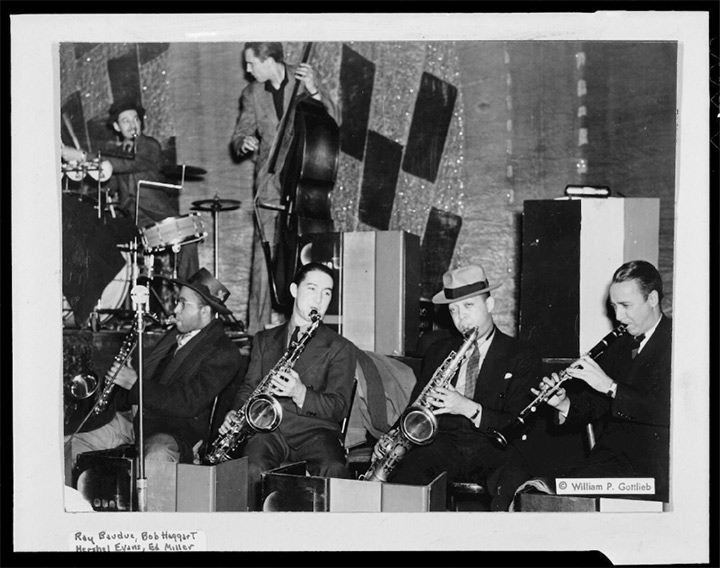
362,282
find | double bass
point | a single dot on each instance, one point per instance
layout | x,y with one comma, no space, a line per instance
305,155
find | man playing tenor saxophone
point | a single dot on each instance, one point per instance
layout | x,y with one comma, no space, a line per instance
315,394
489,387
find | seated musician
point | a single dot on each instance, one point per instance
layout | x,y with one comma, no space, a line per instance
183,374
315,395
488,389
627,389
138,157
263,105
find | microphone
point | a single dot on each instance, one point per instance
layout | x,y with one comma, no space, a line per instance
140,296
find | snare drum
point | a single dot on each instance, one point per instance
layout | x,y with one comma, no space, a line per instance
174,231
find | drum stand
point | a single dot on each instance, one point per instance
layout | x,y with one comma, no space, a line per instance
215,206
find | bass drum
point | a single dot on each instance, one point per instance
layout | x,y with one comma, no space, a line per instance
112,298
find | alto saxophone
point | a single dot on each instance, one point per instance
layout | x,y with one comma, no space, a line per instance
418,425
517,426
262,412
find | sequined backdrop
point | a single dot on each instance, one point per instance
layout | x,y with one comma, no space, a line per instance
527,120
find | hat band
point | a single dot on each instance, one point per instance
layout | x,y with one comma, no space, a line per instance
452,293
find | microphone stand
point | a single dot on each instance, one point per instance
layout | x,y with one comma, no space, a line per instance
140,297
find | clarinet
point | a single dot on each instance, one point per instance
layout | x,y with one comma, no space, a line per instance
517,426
126,350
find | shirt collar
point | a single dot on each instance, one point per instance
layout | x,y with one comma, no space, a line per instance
183,338
269,86
648,334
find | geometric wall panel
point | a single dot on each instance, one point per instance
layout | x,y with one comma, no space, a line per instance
124,74
429,128
379,181
356,87
149,51
438,245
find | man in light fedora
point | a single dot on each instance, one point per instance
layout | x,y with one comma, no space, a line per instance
189,366
488,390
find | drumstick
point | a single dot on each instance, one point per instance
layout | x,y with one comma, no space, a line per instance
66,120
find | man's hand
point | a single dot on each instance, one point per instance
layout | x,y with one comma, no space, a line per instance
288,383
559,400
306,74
249,144
230,418
125,378
447,400
589,371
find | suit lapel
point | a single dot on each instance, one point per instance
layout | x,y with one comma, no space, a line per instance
494,359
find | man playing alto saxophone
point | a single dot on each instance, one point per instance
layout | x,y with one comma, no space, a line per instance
489,388
315,395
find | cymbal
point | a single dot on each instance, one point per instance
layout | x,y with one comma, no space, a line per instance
216,204
176,171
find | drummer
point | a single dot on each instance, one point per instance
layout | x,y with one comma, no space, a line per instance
136,157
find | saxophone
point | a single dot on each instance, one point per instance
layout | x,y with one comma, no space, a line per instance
418,425
262,412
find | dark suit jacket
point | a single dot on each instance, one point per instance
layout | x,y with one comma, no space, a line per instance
259,118
178,399
635,425
156,203
326,367
502,388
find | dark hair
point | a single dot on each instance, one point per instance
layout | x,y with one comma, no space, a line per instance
305,269
121,106
646,275
265,49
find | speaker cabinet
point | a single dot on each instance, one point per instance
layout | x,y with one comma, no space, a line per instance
570,250
381,291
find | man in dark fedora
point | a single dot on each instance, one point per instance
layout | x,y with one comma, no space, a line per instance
188,367
488,389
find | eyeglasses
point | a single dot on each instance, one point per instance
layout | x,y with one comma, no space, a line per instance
182,303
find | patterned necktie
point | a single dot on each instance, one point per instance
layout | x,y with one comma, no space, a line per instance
471,372
637,340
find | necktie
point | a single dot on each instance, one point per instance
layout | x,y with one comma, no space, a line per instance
294,336
637,340
471,372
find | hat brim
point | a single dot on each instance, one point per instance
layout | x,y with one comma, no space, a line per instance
441,298
217,306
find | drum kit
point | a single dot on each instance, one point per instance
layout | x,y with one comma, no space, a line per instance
167,235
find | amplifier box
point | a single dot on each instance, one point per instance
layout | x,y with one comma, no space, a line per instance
107,479
288,488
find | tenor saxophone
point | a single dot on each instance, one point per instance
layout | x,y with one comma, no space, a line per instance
417,425
262,412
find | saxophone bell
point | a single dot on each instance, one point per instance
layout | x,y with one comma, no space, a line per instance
263,413
419,425
83,385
